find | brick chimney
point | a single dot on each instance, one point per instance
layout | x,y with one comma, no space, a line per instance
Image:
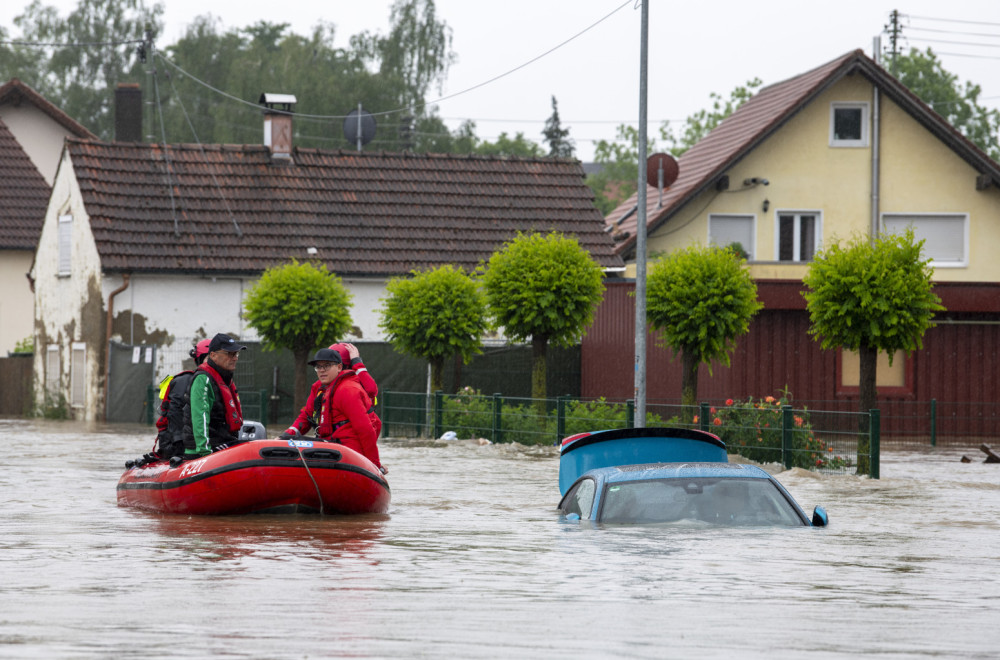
128,113
278,124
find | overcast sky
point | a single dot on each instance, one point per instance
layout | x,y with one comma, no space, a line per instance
696,48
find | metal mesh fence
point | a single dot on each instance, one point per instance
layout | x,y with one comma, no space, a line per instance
764,432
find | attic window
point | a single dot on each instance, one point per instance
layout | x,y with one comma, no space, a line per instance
848,124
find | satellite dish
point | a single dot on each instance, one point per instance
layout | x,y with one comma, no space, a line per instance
359,127
665,163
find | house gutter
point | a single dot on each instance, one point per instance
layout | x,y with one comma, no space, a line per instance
107,337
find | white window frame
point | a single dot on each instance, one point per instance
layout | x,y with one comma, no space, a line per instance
852,105
751,247
65,245
53,370
78,375
913,221
796,254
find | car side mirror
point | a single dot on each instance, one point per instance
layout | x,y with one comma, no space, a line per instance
820,519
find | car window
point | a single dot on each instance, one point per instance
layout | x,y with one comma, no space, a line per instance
580,499
727,501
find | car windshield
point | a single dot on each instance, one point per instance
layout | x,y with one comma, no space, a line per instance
727,501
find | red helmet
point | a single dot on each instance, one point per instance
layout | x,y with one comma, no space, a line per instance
345,357
200,351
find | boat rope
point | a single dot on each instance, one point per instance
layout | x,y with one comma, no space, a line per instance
319,495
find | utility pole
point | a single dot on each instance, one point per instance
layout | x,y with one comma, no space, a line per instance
640,231
894,30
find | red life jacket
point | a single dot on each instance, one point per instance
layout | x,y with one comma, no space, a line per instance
230,398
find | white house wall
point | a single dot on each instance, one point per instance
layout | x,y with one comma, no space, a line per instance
17,302
175,311
39,135
69,308
366,308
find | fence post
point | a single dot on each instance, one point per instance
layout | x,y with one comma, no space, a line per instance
497,417
787,428
150,403
933,422
561,418
703,414
630,414
263,407
438,413
874,442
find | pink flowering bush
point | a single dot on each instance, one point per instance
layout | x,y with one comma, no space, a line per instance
753,429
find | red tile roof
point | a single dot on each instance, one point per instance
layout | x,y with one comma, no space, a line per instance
229,208
15,92
707,161
24,195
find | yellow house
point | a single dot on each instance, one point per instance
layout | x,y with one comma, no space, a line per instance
838,151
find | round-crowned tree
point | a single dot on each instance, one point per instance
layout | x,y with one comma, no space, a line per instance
546,289
299,307
870,296
701,299
433,315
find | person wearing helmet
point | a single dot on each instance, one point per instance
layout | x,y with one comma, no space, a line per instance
174,392
340,410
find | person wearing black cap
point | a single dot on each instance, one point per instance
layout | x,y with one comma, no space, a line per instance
213,407
340,409
349,355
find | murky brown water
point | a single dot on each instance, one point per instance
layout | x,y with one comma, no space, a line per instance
473,562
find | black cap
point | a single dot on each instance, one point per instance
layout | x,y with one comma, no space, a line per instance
221,342
326,355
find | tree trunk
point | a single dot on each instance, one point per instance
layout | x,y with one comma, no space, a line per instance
437,375
539,344
304,376
867,400
689,382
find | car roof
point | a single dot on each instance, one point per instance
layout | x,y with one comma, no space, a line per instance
644,471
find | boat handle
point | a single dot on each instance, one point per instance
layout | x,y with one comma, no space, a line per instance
320,454
278,452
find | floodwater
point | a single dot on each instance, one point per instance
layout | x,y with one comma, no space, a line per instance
473,562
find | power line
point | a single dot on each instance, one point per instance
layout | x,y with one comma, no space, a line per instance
970,34
418,105
951,20
980,57
562,121
43,44
954,43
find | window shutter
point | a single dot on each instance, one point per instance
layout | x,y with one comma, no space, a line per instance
65,244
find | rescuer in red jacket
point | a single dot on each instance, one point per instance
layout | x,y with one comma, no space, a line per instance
340,409
309,415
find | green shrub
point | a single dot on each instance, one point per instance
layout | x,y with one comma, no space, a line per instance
523,424
469,414
53,407
753,429
599,415
26,345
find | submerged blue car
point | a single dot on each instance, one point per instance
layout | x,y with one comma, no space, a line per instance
669,476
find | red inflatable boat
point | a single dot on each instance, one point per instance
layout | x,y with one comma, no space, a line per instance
261,476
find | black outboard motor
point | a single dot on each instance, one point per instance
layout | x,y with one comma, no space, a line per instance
252,431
